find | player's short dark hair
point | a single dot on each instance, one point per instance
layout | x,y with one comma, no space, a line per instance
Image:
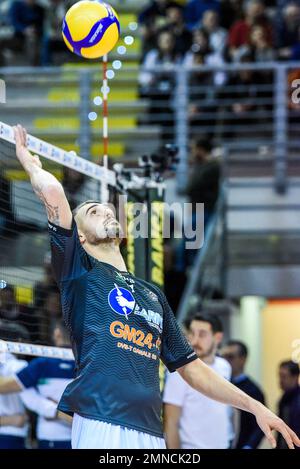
203,144
212,319
243,349
76,209
293,367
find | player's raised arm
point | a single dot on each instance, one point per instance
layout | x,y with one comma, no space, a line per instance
44,184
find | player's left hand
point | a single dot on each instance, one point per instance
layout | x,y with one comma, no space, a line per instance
269,422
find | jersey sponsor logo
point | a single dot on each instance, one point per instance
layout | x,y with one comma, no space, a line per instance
154,319
135,336
121,301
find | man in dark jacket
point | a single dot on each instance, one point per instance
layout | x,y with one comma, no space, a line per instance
247,433
289,404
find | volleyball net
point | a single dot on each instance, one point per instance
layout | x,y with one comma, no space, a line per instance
29,297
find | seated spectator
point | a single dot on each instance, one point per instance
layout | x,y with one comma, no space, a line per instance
202,53
217,35
289,404
195,10
248,435
246,99
159,86
27,20
239,34
175,21
287,26
151,19
52,40
261,49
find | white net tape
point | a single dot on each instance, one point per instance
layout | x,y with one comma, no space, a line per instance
69,159
35,350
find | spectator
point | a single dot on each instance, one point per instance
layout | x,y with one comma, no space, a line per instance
191,419
287,26
247,433
43,381
289,404
175,21
195,10
217,35
27,20
202,53
203,184
261,49
52,40
239,34
159,86
151,19
248,102
13,419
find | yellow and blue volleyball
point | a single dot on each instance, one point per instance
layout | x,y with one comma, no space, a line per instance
91,29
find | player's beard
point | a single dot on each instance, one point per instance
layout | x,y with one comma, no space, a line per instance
105,234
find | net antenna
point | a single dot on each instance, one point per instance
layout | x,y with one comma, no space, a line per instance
105,90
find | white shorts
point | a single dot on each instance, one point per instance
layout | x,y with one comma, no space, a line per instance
94,434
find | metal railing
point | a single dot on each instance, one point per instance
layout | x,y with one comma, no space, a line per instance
234,104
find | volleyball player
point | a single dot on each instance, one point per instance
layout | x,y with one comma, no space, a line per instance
120,327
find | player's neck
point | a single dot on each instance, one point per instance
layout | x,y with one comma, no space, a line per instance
109,253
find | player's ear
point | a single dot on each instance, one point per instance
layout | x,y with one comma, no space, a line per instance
82,237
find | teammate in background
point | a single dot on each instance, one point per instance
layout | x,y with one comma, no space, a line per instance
190,418
248,434
115,396
13,426
42,383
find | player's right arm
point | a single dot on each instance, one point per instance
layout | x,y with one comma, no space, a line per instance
45,185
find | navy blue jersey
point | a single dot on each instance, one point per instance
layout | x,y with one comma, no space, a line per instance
120,327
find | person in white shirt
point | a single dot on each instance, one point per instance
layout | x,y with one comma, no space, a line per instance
13,426
192,420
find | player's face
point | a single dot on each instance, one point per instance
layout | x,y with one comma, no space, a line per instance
98,223
202,338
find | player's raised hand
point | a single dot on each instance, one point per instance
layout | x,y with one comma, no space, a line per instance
269,422
26,159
